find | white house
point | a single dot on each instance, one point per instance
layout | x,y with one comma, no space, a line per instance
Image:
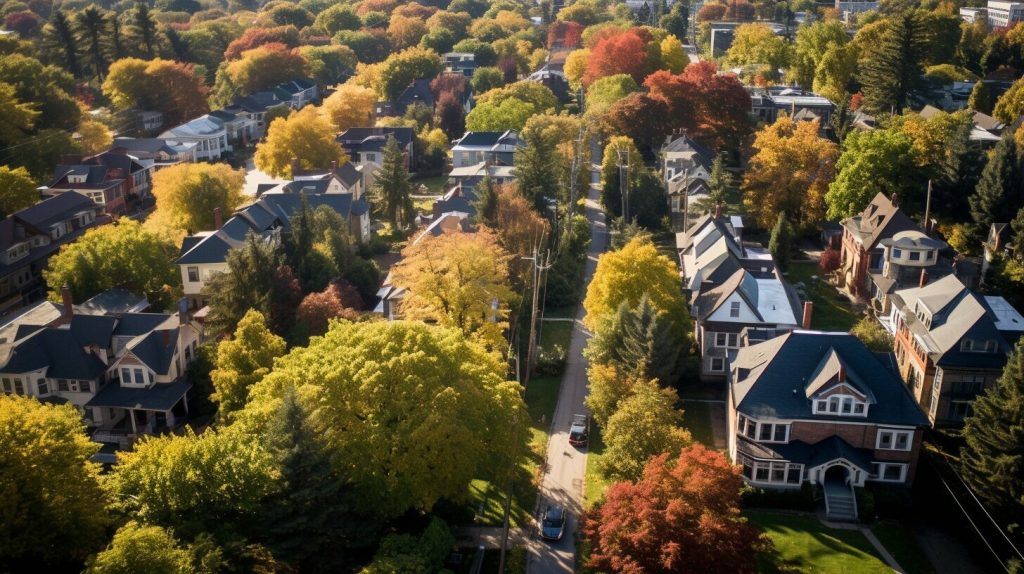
206,131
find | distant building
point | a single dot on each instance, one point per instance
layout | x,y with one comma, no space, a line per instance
365,145
496,148
997,14
207,132
686,169
107,187
768,103
461,63
848,8
862,254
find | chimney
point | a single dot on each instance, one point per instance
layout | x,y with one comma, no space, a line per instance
895,199
296,166
183,311
808,312
334,165
69,304
218,218
924,278
842,373
718,210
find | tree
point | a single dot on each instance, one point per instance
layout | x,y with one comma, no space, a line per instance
831,259
683,514
981,98
1010,105
139,548
604,92
328,64
638,340
337,18
258,69
631,273
713,108
644,425
790,172
648,200
243,360
1000,190
872,334
211,483
16,117
486,79
407,412
576,66
92,26
143,29
53,506
349,106
175,89
392,189
536,168
676,22
93,136
303,135
187,194
401,68
520,229
408,553
17,190
247,284
611,180
123,254
890,69
60,34
720,182
450,115
759,44
509,107
338,301
780,245
457,280
813,40
991,460
642,118
25,23
871,162
486,202
673,56
257,36
621,53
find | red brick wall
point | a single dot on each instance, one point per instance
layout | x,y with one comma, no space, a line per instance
859,436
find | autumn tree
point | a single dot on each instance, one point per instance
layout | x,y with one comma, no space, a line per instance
142,548
17,190
349,106
813,40
713,108
611,178
1010,105
401,68
391,187
257,36
683,514
981,98
871,162
458,280
303,135
520,229
175,89
45,88
510,107
622,53
187,194
606,91
338,301
243,360
53,506
890,70
123,254
16,117
642,118
258,69
758,44
645,424
407,412
790,171
328,64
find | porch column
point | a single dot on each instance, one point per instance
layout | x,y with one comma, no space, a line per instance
184,401
131,417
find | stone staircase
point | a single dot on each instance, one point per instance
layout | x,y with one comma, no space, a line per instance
840,502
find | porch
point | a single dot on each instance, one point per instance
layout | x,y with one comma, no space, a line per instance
128,413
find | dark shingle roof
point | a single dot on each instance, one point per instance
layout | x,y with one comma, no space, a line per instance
135,324
54,209
57,351
157,349
93,330
159,397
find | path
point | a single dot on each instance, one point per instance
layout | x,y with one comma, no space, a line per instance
565,465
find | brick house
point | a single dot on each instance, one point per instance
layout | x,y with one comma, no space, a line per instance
861,253
820,408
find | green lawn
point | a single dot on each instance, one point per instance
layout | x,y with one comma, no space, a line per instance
555,333
436,184
832,311
900,542
697,419
803,544
594,482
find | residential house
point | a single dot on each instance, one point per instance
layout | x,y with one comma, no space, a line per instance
951,344
29,237
999,14
240,127
460,63
458,199
151,120
204,254
767,103
255,108
496,148
206,131
986,131
124,372
106,187
418,92
862,253
553,80
712,250
686,169
303,91
138,173
469,176
820,408
154,152
365,145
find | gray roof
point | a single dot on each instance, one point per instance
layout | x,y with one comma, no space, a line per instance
114,301
58,352
159,397
156,349
769,380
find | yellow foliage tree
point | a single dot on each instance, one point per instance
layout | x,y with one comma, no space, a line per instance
305,136
673,57
349,106
575,66
790,172
188,193
93,136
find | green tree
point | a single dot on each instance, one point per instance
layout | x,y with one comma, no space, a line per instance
1010,105
187,194
141,549
758,44
143,29
392,189
401,68
677,20
607,90
1000,190
611,188
880,160
486,201
408,553
639,340
47,88
60,35
992,459
813,40
52,510
247,284
648,200
780,245
408,412
243,360
890,69
872,334
16,118
645,424
17,190
93,28
123,254
981,98
509,114
485,79
536,168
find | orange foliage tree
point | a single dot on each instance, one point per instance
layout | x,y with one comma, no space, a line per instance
622,53
713,108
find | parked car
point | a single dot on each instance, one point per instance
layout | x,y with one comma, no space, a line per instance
579,431
552,523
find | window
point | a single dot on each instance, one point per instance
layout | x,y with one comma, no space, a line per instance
139,378
894,440
773,472
959,409
731,340
193,275
734,309
62,385
126,376
888,471
19,388
897,253
42,387
85,386
717,364
967,345
371,157
915,255
931,255
934,406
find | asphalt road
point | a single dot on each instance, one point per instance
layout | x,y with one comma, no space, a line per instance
566,465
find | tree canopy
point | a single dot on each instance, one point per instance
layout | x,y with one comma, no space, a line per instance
304,135
871,162
243,360
188,193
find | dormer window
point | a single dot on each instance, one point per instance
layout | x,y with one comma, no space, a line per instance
931,255
967,345
841,405
762,432
915,255
897,253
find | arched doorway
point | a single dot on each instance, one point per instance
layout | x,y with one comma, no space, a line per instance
837,474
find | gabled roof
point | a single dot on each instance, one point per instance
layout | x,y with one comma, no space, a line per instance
416,92
680,143
769,379
880,219
203,126
769,299
359,136
55,350
135,324
53,210
113,302
156,348
487,140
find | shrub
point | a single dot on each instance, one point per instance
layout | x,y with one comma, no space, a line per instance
793,499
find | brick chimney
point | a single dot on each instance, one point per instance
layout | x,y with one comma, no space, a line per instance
218,218
334,165
166,337
924,278
718,210
808,312
69,304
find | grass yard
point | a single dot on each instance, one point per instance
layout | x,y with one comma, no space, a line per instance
435,184
901,543
803,544
594,482
560,312
832,311
697,419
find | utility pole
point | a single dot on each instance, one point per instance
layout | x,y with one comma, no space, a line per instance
928,209
574,171
540,265
686,199
623,163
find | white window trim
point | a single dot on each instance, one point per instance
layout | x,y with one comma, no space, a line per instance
894,433
744,422
881,472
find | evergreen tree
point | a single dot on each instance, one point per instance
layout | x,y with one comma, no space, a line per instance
298,249
486,201
720,181
392,187
648,201
981,98
960,169
992,459
999,191
116,39
890,70
639,341
180,48
310,522
781,243
676,21
93,28
143,28
62,36
841,121
536,168
247,284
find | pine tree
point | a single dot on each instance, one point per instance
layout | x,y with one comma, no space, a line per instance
116,39
536,168
486,201
144,29
179,46
841,120
981,98
999,191
1017,228
720,181
890,70
310,522
392,189
781,243
676,21
92,26
992,460
650,344
62,36
961,168
247,284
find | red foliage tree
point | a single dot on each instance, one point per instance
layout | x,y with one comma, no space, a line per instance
450,115
454,84
25,23
640,117
254,37
509,69
711,12
683,515
830,260
339,301
622,53
855,101
713,108
565,34
740,10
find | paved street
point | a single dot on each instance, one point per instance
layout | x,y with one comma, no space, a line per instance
565,464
